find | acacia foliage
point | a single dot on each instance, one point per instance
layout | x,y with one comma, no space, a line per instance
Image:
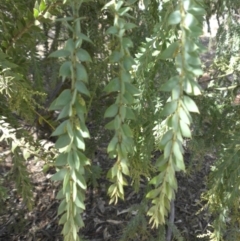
145,54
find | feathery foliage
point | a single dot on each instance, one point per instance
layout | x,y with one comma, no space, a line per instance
65,63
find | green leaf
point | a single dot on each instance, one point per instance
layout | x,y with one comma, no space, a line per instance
170,51
180,165
35,13
76,159
127,130
79,142
128,62
112,30
177,151
129,26
176,93
79,202
125,168
65,69
64,98
124,10
63,219
80,180
61,129
60,194
64,112
128,98
174,18
187,86
127,43
126,77
116,56
112,144
169,108
26,154
122,112
110,125
70,46
84,131
117,122
74,191
83,159
175,122
157,180
118,5
70,160
190,20
132,89
112,86
190,104
130,114
61,53
197,71
61,160
59,176
62,207
42,6
170,84
186,132
82,73
84,37
111,111
130,2
196,88
83,55
185,117
168,149
153,193
63,141
197,11
166,138
81,87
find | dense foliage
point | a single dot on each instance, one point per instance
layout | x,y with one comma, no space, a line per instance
65,63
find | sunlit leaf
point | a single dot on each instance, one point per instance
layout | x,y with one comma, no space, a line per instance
174,18
190,104
186,132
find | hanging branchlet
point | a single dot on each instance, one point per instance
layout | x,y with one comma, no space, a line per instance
188,16
121,145
72,131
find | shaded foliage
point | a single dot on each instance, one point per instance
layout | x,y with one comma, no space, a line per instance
65,63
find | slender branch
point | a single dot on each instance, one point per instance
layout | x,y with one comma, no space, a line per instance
29,25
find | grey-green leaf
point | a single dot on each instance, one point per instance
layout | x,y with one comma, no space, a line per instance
170,51
81,87
83,55
61,53
174,18
190,104
59,176
111,111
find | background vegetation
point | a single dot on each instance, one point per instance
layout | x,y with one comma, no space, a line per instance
79,73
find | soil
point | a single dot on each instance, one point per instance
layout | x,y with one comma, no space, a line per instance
103,222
